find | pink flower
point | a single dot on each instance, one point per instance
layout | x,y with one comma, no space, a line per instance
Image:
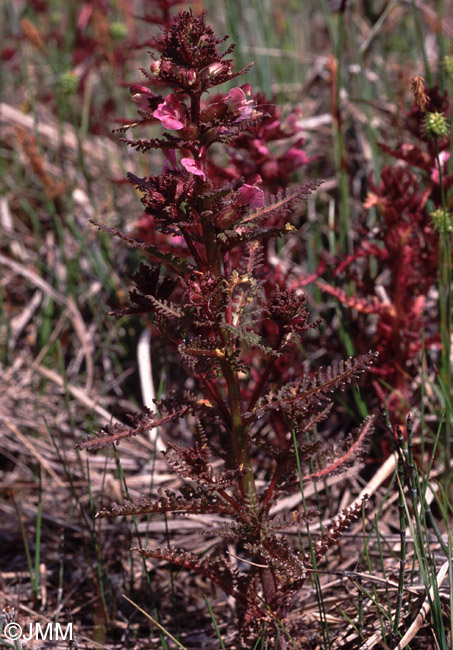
443,157
297,157
170,113
270,169
260,146
236,101
194,167
141,95
250,194
178,240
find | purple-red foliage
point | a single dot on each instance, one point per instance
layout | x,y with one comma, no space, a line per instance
211,298
266,152
394,299
271,149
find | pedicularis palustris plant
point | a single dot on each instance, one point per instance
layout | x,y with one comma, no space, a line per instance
212,301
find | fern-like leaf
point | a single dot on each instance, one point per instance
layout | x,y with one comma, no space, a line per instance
154,143
344,459
251,233
293,518
201,353
174,407
370,305
181,266
113,434
298,396
336,529
165,309
216,570
280,556
191,500
282,202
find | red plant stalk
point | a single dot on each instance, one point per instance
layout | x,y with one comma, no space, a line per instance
393,304
229,325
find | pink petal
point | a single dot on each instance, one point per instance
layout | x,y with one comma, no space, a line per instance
260,147
170,113
297,156
236,100
168,120
250,194
193,167
178,240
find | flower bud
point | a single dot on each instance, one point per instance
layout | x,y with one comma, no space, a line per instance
213,112
247,88
167,68
136,89
215,70
141,95
155,68
191,77
189,132
227,217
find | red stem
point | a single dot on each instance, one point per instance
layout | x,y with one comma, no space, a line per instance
211,389
193,249
264,377
270,490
